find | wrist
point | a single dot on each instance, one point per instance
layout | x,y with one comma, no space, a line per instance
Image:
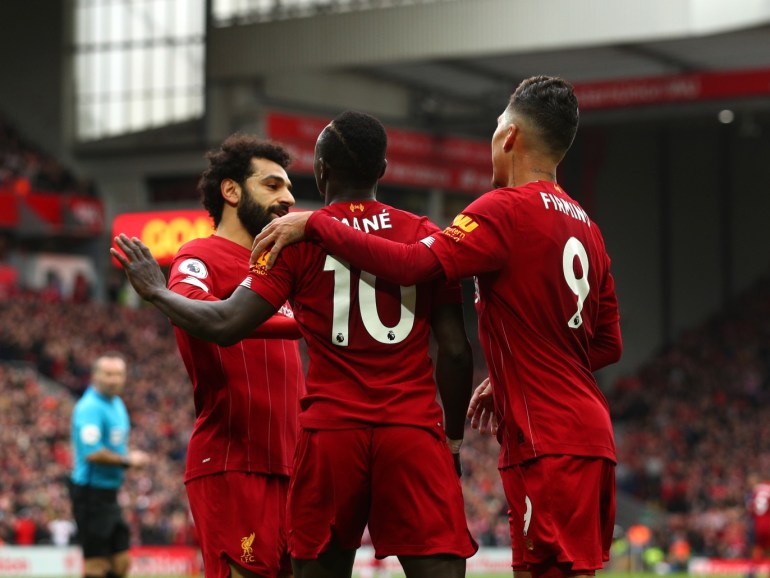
454,445
125,461
310,230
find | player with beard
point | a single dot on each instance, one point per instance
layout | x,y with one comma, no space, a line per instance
246,395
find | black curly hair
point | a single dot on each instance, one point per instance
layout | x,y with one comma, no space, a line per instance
232,160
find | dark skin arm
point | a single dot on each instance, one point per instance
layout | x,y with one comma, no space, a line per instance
454,369
277,327
223,322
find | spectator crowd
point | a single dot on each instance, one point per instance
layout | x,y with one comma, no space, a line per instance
24,168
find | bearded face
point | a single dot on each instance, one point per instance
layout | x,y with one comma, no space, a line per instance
253,216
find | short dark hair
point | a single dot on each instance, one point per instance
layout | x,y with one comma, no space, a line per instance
355,146
550,103
232,160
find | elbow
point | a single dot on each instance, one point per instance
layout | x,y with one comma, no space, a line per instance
222,333
225,337
458,355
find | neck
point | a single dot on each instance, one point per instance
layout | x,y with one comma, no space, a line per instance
531,169
536,174
350,194
232,230
102,392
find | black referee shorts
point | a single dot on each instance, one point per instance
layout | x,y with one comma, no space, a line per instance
102,531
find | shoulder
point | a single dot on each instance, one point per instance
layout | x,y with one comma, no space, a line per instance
87,405
201,245
196,257
420,222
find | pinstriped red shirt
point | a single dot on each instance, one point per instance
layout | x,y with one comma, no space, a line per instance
247,395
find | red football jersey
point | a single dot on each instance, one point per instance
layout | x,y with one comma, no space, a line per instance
545,292
367,339
246,395
759,503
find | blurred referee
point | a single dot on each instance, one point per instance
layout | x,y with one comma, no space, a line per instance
100,429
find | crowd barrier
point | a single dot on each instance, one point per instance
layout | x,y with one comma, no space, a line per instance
66,562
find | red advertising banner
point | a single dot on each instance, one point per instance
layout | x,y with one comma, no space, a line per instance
50,213
164,231
67,561
165,560
673,88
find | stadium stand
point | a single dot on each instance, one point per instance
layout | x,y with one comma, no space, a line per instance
25,168
693,422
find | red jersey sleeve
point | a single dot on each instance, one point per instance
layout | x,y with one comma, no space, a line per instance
276,284
607,345
476,240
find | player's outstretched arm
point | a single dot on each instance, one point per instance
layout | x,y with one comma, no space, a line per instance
277,327
223,322
383,258
454,371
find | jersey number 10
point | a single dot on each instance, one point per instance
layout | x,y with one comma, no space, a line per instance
367,303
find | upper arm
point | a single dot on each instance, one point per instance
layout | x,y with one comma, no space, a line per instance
477,241
606,346
241,313
192,291
88,430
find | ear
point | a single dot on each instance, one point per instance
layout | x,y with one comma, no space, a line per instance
323,170
384,167
323,177
231,191
510,137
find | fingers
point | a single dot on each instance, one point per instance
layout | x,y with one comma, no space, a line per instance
262,241
273,255
260,245
484,421
132,248
119,256
481,392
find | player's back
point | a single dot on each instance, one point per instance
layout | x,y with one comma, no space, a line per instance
367,338
240,424
538,315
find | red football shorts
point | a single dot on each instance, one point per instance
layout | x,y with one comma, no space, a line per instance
762,532
240,517
562,514
400,480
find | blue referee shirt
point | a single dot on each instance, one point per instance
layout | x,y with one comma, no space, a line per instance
99,422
